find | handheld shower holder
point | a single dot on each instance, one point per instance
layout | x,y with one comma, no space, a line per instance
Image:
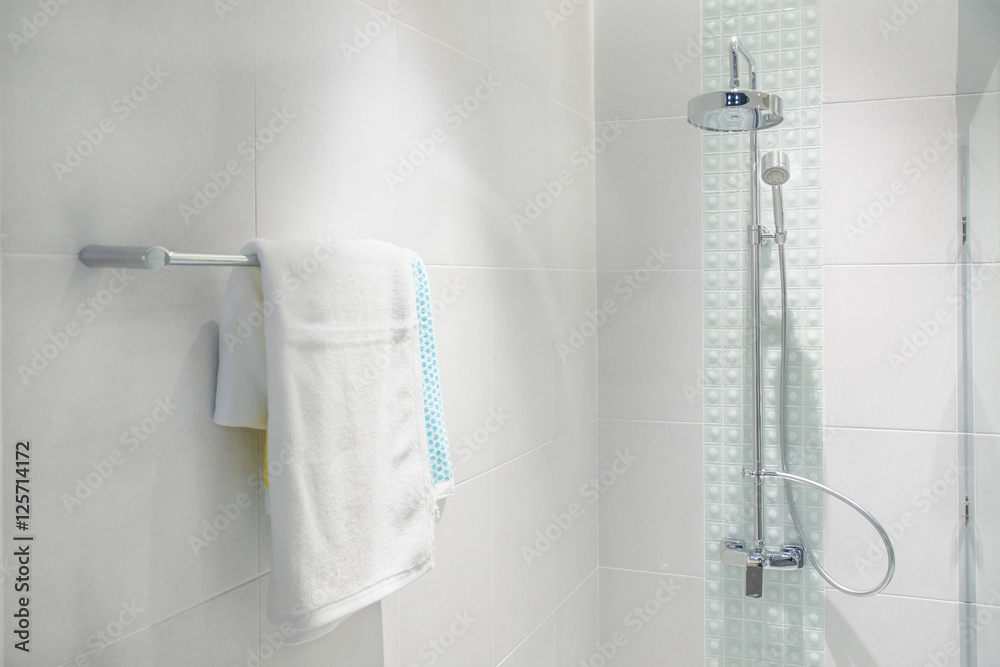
763,236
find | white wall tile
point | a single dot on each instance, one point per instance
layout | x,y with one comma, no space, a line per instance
537,650
891,189
987,637
576,371
890,348
546,48
977,115
649,474
577,623
672,622
221,631
542,176
986,517
461,24
84,84
545,393
649,194
119,525
647,58
446,615
441,164
325,172
983,291
890,630
876,50
462,328
523,576
650,347
391,650
575,466
909,481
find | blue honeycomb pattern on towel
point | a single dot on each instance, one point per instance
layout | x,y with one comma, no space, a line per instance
437,437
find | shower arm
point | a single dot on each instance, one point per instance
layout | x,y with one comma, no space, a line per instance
736,47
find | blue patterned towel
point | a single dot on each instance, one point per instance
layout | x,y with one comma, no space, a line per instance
442,476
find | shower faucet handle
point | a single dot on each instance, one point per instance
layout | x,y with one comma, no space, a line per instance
790,555
755,575
734,552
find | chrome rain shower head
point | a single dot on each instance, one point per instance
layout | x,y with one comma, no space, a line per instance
774,168
737,109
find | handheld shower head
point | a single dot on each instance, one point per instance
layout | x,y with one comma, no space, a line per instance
774,169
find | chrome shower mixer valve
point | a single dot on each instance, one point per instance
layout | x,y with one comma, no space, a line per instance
734,552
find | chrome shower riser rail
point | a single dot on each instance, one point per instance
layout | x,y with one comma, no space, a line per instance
755,237
750,110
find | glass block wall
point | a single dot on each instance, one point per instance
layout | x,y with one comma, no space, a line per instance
785,627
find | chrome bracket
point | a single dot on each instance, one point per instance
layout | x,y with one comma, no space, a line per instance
763,236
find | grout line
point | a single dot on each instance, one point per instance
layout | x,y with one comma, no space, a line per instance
654,572
493,68
576,588
907,98
169,617
650,421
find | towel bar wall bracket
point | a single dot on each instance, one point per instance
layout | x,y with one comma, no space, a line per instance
155,258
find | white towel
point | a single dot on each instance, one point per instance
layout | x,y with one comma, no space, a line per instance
341,395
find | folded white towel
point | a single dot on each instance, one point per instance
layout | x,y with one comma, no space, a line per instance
342,398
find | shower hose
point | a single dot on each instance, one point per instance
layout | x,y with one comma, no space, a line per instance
788,478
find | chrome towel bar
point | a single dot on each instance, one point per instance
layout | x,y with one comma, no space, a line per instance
155,257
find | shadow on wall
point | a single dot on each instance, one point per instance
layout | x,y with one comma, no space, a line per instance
850,653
